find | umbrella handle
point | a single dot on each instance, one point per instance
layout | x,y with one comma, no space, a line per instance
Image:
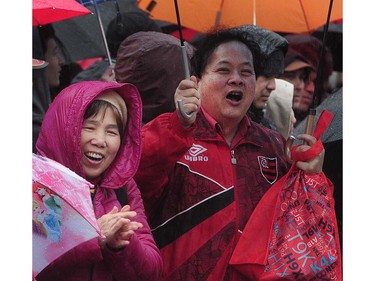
308,130
310,121
287,148
180,104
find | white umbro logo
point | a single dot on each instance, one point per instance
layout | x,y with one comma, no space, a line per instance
195,153
196,149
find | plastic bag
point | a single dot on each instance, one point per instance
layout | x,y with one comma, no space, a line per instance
293,234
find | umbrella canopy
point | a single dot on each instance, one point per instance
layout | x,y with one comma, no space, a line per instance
63,214
48,11
81,36
334,42
333,103
97,13
292,16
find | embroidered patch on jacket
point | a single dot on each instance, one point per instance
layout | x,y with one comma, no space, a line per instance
268,168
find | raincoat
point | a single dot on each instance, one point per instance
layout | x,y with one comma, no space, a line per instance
152,61
199,192
59,140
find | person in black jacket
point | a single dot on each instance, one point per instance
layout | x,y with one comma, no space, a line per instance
41,92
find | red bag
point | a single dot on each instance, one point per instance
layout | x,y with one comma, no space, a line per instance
292,233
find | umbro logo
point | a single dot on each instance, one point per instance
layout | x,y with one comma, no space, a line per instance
196,149
195,153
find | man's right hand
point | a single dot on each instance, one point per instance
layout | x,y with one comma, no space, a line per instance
187,92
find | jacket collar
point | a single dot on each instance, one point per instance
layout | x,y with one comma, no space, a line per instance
209,129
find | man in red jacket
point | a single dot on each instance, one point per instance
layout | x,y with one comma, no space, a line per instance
201,177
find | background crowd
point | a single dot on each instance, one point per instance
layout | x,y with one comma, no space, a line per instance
301,61
156,77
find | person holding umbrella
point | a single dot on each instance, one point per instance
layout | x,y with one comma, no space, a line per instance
274,48
99,123
201,177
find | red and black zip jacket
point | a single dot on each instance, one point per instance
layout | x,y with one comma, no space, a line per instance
199,192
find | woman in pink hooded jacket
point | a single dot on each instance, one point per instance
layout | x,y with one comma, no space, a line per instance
93,128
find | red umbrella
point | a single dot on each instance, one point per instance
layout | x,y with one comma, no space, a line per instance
48,11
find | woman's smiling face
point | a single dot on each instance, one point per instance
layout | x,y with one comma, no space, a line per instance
100,142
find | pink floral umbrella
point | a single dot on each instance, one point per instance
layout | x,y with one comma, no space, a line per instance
63,214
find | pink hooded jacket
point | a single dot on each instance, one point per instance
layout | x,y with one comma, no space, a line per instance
59,139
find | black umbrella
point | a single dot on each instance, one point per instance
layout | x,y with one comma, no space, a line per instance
82,37
318,91
333,41
98,17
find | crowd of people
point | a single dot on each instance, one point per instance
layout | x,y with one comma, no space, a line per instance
190,183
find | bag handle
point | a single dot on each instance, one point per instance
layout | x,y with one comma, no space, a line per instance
322,124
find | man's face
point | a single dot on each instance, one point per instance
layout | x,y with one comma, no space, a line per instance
55,60
227,85
264,86
299,78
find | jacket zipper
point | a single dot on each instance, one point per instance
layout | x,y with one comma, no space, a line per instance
234,160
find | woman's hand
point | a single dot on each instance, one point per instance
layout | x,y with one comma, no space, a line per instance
315,165
118,227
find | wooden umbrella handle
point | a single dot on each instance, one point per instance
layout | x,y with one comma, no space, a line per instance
310,121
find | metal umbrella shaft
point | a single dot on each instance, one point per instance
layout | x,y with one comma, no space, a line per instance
317,92
180,103
102,32
318,89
